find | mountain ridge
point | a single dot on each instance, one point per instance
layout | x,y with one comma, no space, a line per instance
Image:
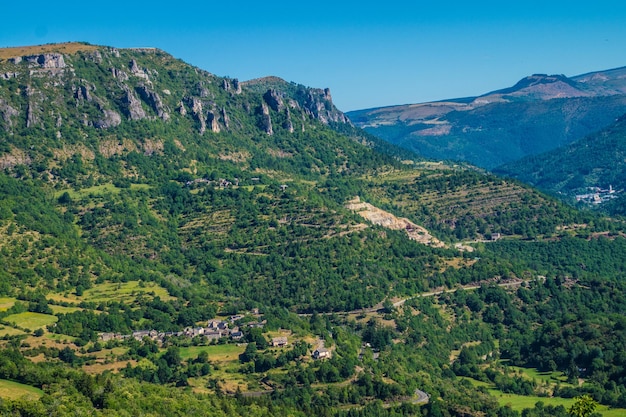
540,112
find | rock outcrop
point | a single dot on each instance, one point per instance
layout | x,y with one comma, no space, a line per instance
82,93
154,101
211,119
387,220
132,104
7,113
119,74
266,119
236,86
136,71
273,99
288,124
109,119
225,118
319,105
196,109
46,61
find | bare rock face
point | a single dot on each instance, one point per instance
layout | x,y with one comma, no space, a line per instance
136,71
196,109
211,119
133,106
31,119
319,105
225,85
288,124
273,99
153,99
266,119
7,113
225,118
181,109
109,119
236,86
119,74
31,109
82,93
94,56
202,90
46,61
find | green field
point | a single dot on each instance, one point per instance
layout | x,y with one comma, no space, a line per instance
217,353
9,331
30,320
6,303
64,310
13,390
124,292
520,402
544,377
98,190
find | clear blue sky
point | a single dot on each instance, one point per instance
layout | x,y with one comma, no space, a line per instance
369,54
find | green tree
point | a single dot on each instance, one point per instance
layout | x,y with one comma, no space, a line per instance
583,406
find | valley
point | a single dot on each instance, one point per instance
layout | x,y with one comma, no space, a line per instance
177,241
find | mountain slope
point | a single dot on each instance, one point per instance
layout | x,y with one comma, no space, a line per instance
167,235
597,161
539,113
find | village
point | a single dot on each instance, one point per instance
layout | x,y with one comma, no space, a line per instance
598,195
213,331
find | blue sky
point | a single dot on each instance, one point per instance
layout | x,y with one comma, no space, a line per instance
369,54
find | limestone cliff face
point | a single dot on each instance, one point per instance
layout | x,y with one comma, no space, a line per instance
103,88
315,103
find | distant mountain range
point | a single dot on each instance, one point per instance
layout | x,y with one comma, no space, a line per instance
538,114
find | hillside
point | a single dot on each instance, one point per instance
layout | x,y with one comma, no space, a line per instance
580,169
175,243
539,113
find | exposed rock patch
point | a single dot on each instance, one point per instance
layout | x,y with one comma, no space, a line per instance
109,119
273,99
196,109
211,119
288,124
154,101
46,61
266,119
133,106
7,113
389,221
225,118
136,71
119,74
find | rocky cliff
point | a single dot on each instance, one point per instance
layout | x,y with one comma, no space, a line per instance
63,91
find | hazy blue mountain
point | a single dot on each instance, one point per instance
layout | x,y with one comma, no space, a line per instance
539,113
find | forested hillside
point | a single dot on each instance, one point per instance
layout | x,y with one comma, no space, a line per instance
583,168
177,243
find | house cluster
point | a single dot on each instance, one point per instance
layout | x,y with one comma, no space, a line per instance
214,330
597,195
222,182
